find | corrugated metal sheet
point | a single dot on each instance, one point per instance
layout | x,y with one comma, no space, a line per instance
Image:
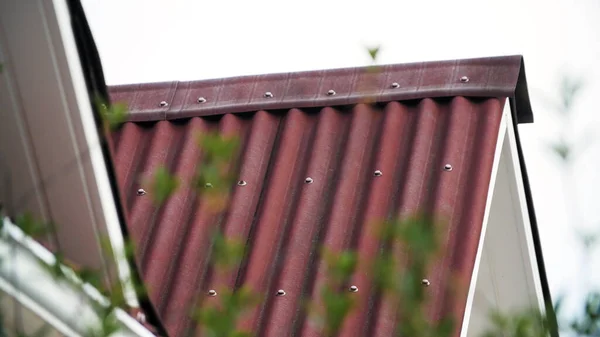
284,220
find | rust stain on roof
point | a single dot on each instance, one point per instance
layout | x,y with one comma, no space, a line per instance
301,132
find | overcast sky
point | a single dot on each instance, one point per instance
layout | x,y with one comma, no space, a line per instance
164,40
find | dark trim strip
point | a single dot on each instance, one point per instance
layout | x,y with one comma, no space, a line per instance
539,256
94,78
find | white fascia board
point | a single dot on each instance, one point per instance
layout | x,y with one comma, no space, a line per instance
486,215
57,143
66,305
104,192
505,275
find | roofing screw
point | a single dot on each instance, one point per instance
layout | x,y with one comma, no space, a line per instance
280,292
378,173
141,191
268,94
395,85
448,167
164,104
212,293
141,317
308,180
425,282
464,79
353,289
208,185
201,100
331,92
241,183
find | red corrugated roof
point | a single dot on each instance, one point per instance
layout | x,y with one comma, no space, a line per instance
438,113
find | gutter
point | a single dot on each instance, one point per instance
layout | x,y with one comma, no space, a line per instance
69,306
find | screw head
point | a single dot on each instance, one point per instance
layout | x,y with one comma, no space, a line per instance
141,192
464,79
280,292
395,85
141,317
164,104
212,293
201,100
308,180
268,94
353,288
331,92
208,185
425,282
447,167
378,173
242,183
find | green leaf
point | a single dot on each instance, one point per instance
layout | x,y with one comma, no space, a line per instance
445,327
373,52
220,321
30,226
107,326
114,115
227,252
93,277
384,272
218,147
55,269
164,185
337,307
340,265
570,87
562,150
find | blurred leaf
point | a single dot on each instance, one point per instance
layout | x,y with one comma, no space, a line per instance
227,252
592,306
570,87
55,269
373,52
589,323
445,327
562,150
337,300
216,146
340,265
337,306
384,272
419,234
1,68
587,239
525,323
113,114
107,326
93,277
220,320
164,185
30,226
208,179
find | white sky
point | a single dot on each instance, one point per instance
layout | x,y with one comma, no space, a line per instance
164,40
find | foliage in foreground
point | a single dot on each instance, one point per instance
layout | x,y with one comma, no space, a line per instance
403,285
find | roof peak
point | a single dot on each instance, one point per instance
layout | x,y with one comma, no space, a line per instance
502,76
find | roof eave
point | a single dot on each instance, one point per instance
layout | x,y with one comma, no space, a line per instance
502,76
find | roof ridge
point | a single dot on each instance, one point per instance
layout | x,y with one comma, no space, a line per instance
501,76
